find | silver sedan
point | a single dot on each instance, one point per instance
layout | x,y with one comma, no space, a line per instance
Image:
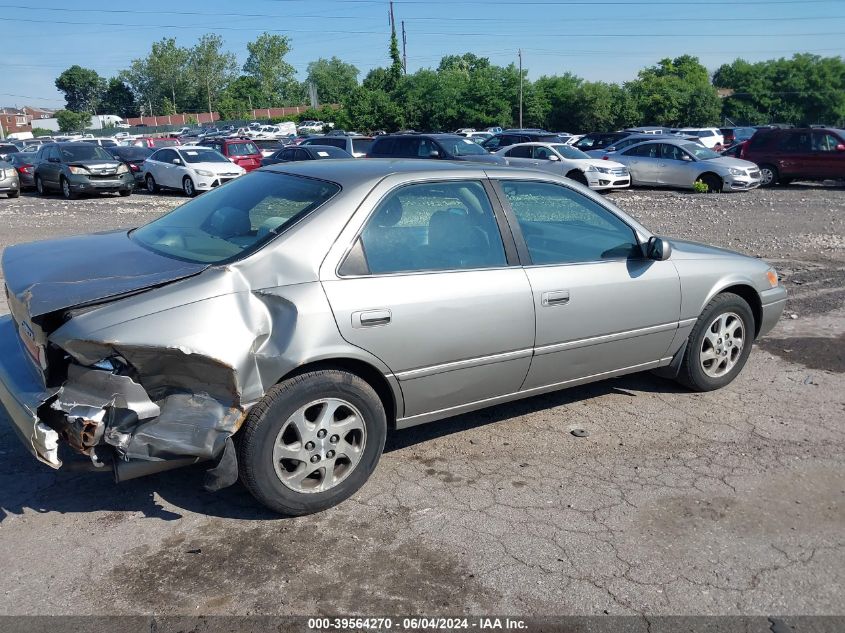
310,308
681,164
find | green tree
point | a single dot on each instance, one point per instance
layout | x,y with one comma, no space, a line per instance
334,79
804,89
118,99
211,69
82,88
266,64
676,92
70,121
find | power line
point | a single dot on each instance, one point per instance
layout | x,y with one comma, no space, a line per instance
428,18
462,34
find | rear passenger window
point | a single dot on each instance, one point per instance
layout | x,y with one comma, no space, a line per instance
796,142
433,226
562,226
647,150
523,151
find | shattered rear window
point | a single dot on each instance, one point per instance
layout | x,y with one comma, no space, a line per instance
230,222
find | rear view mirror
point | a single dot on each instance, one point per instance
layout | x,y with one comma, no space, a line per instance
658,249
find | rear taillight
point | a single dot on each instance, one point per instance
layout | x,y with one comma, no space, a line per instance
25,169
134,167
604,158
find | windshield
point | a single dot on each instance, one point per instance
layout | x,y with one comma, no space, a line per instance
462,147
231,221
84,151
570,152
131,153
699,151
203,156
362,145
598,141
242,149
165,142
328,151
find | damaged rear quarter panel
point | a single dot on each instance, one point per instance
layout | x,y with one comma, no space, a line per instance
205,349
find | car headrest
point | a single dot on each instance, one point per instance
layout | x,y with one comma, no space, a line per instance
229,222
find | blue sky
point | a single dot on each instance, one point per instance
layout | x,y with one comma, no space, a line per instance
597,39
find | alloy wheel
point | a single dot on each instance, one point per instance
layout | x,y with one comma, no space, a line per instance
722,344
319,445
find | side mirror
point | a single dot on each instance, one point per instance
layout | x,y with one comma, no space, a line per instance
840,147
658,249
177,161
610,149
553,157
434,154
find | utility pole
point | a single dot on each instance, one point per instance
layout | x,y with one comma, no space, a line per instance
404,45
520,88
392,23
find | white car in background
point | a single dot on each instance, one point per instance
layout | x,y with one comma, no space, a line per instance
571,162
192,169
710,137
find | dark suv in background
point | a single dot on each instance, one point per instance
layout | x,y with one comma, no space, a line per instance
75,168
512,137
784,155
437,146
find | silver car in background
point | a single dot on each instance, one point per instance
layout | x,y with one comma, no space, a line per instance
311,307
681,164
10,183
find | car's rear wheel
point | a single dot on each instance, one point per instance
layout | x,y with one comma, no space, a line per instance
67,192
785,181
719,344
125,192
188,187
15,194
712,182
39,186
768,175
312,441
578,176
152,186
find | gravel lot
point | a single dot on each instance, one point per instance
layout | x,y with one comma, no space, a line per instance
731,502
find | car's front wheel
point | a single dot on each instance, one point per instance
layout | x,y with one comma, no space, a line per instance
768,175
67,192
312,441
712,182
578,176
719,344
188,187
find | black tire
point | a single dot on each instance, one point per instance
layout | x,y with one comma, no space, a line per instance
125,193
266,420
785,181
152,186
15,194
67,193
692,373
578,176
39,186
768,175
713,182
188,187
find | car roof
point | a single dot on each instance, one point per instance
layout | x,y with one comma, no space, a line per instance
354,171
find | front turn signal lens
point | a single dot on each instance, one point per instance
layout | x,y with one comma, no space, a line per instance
773,277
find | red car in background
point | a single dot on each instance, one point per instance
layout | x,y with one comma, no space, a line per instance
785,155
241,151
154,142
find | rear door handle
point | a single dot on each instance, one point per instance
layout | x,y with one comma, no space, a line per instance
370,318
555,298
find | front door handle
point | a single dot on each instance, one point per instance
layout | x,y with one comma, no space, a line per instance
370,318
555,298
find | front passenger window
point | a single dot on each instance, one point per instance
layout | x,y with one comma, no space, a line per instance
562,226
433,226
